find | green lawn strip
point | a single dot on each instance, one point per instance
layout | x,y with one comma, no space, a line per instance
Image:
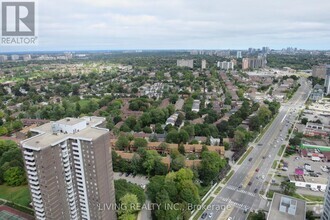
200,212
244,156
19,194
266,128
204,190
228,177
218,190
274,164
279,153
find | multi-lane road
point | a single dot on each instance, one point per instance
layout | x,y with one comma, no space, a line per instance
241,192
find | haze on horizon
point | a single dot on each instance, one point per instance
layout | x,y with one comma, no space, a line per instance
180,24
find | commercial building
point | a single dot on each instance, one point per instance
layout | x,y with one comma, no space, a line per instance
326,206
327,81
318,183
69,170
286,208
185,63
319,71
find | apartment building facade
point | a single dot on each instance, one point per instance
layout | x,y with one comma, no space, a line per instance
69,170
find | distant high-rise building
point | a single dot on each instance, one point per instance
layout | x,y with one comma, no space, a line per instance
326,206
265,49
14,57
69,170
319,71
203,64
226,65
3,58
185,63
254,63
239,54
327,81
26,57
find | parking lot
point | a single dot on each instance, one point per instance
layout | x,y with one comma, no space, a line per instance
138,179
295,161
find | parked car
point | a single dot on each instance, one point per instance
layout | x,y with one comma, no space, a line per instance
204,215
250,159
255,190
314,189
250,183
257,169
211,215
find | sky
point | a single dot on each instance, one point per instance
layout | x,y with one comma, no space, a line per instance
180,24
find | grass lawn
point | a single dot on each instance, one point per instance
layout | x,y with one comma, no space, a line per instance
312,198
274,164
228,177
244,156
18,194
218,190
200,212
204,190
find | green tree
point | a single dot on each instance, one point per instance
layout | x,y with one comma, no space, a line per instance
178,163
288,188
14,176
122,142
130,205
210,166
149,163
140,142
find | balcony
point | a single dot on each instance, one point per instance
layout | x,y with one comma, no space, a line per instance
30,153
36,192
28,157
30,163
66,159
34,195
31,168
39,209
35,187
32,177
38,203
33,173
75,153
34,182
67,169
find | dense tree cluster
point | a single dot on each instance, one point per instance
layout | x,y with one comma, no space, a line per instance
174,188
11,164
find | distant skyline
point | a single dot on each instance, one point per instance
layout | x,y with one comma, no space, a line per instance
180,24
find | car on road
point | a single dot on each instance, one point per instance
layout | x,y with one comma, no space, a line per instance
257,169
246,210
263,177
255,190
204,215
250,183
263,157
240,186
250,159
211,215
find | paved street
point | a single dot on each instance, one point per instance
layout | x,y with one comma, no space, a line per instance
241,191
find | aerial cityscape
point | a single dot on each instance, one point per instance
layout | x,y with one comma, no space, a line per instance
165,110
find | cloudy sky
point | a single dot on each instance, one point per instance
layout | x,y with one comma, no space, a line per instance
181,24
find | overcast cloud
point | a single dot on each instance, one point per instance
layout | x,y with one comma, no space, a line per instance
181,24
